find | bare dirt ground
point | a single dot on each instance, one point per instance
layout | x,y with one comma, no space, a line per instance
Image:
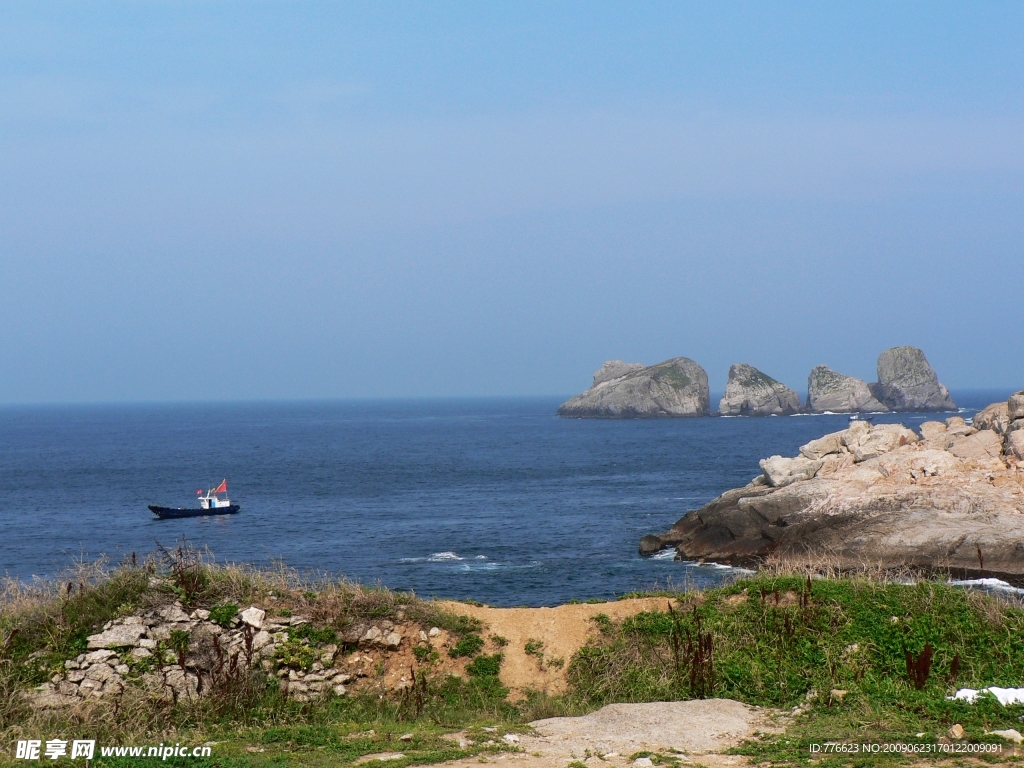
559,631
695,732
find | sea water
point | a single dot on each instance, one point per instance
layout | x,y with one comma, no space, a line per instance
496,500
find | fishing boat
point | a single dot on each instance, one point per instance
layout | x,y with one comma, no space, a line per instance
210,503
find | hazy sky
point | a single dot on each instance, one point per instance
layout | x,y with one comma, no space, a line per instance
280,200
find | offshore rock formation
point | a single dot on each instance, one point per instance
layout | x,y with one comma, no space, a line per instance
750,392
906,382
828,390
674,388
614,369
949,499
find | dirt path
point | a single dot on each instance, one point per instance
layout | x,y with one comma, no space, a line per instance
559,631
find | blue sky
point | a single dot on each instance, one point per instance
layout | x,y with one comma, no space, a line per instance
288,200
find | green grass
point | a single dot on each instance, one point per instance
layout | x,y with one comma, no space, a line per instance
779,641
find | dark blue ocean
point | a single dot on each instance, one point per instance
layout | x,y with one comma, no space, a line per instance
497,500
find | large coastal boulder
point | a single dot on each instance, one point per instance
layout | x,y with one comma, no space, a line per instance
749,392
951,500
674,388
829,391
906,382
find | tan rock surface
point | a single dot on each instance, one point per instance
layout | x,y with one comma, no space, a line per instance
886,498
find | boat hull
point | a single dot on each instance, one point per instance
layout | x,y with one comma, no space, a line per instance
165,512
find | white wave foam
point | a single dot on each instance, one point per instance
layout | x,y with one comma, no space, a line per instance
444,557
665,554
996,584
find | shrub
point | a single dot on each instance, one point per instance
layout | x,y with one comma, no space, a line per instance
485,666
223,614
296,655
470,645
321,636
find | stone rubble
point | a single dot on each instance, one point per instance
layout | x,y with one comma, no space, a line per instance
136,650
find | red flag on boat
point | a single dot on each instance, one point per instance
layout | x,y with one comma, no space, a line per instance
222,488
199,492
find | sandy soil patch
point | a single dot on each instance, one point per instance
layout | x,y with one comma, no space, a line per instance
560,631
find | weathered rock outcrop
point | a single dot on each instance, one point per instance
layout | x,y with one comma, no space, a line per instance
614,369
906,382
950,499
749,392
839,393
676,387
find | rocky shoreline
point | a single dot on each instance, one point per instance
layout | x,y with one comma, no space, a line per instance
679,388
950,498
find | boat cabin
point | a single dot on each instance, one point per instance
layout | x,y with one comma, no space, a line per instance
212,500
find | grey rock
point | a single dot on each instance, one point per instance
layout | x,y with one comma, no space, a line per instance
650,545
76,675
835,392
1014,445
933,432
674,388
908,383
392,640
986,444
824,446
372,635
749,392
99,672
780,471
1015,406
614,369
995,417
866,442
254,616
173,613
118,636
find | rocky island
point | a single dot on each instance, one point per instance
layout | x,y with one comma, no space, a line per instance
906,382
676,387
832,392
679,387
753,393
950,499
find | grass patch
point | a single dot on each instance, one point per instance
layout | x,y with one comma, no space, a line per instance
788,641
223,613
469,645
